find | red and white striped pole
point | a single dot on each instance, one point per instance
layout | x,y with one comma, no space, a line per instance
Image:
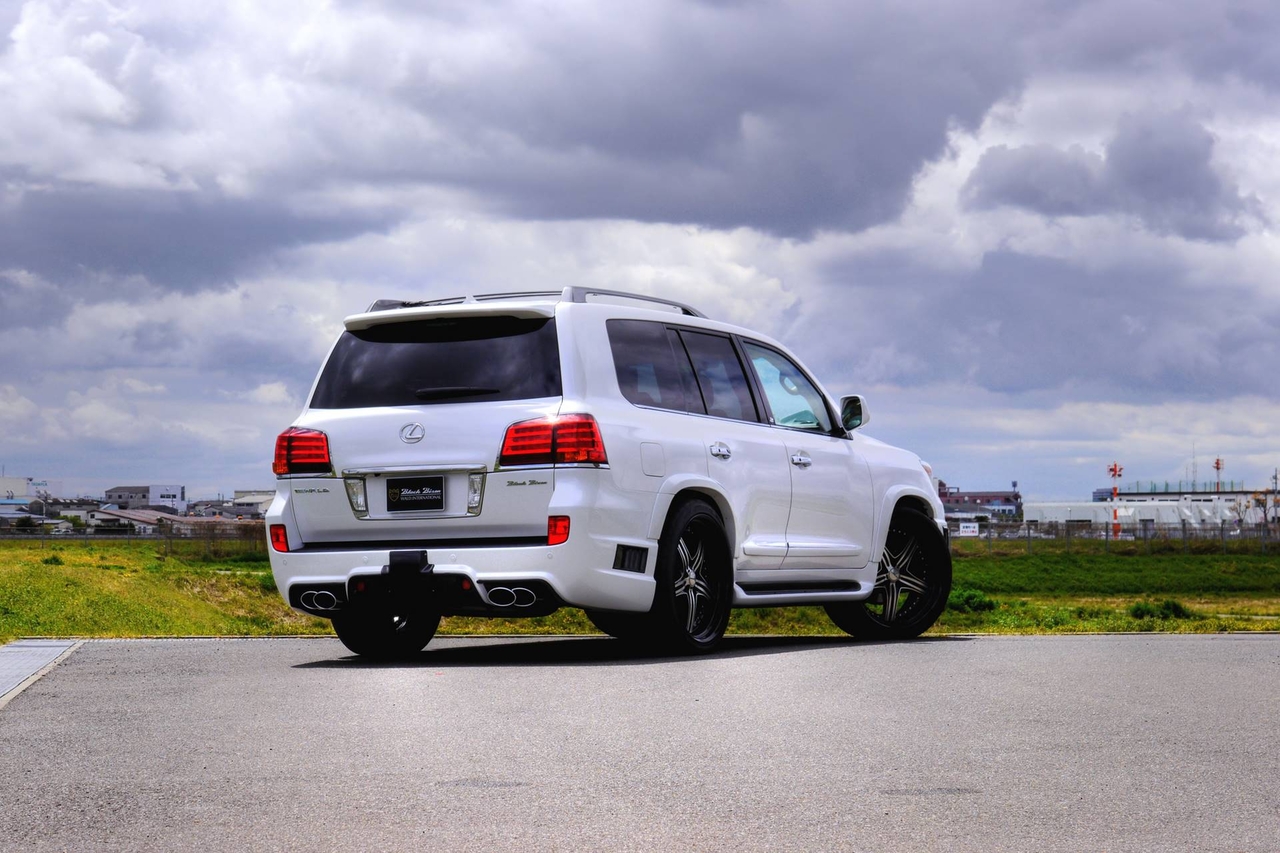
1115,470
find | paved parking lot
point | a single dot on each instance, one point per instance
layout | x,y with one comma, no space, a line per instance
1033,743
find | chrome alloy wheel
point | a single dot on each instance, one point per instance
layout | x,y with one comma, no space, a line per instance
902,584
695,580
692,590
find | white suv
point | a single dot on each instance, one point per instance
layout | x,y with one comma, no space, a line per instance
510,454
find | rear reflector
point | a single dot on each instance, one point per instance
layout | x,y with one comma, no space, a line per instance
549,441
557,530
302,451
279,537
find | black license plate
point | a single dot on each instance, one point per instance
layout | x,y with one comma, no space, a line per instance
411,494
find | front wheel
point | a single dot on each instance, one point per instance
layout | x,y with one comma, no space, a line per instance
384,636
912,584
694,579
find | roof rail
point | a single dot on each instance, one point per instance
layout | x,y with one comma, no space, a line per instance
580,294
569,294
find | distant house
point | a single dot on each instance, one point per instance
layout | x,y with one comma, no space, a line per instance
193,526
145,522
12,510
136,497
956,502
73,507
248,504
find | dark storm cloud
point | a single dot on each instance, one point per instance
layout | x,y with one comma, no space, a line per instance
1215,41
789,118
176,239
1162,169
1157,167
785,118
1020,324
1040,178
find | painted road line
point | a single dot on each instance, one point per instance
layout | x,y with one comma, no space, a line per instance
24,661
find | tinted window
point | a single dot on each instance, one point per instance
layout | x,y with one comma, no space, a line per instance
650,371
793,399
720,377
466,359
692,396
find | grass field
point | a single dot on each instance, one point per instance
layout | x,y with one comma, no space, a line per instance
117,589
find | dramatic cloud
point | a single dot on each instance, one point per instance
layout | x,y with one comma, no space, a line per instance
1157,167
1024,228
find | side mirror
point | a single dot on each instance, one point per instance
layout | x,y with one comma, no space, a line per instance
853,412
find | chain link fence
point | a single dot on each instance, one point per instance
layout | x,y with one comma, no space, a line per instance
1010,538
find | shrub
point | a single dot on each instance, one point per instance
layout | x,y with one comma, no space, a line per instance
963,600
1167,609
52,560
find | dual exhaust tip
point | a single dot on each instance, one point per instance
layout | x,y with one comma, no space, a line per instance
322,600
508,596
319,599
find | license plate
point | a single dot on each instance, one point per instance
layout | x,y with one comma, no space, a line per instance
414,494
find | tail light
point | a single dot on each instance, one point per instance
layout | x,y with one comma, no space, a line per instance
279,537
553,441
302,451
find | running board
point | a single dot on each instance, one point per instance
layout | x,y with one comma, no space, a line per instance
770,594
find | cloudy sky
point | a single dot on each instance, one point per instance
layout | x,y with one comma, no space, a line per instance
1039,236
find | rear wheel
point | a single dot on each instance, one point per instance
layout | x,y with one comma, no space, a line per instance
694,579
379,635
912,584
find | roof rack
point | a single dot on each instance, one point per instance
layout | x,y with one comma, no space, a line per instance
569,294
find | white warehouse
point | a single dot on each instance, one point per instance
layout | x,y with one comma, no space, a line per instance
1195,510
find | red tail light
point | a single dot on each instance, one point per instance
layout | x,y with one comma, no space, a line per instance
549,441
302,451
557,530
279,537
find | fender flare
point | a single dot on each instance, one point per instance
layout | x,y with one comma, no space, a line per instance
889,501
681,484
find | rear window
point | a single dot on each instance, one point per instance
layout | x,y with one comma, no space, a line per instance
457,360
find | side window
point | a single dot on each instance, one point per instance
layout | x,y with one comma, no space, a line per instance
650,372
692,396
793,399
720,377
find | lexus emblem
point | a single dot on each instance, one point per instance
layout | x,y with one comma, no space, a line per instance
412,433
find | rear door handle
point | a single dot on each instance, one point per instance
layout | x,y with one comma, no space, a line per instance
801,460
720,450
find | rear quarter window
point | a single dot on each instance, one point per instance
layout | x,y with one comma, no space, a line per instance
652,367
454,360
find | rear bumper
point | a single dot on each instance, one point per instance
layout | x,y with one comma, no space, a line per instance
579,572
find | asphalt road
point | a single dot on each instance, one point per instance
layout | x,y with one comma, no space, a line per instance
1115,743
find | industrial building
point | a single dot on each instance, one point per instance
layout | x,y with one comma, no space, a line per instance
140,497
1162,505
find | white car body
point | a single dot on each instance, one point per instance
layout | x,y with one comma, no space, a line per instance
805,513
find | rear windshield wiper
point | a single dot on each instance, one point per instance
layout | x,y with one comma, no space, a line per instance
446,392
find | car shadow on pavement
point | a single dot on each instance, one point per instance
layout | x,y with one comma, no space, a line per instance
596,651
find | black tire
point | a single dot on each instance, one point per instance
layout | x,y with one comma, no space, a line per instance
911,587
694,579
630,627
379,635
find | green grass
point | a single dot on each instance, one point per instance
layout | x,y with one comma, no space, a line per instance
1103,574
117,589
